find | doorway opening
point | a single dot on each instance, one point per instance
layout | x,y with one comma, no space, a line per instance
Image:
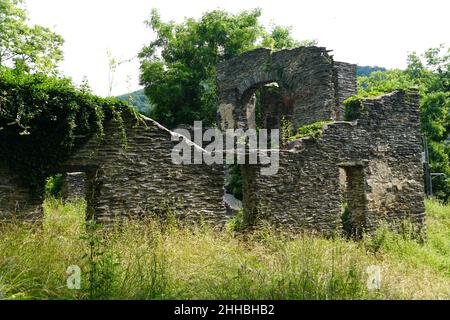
354,206
264,106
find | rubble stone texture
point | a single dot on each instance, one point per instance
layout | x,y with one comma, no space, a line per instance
140,178
313,86
16,201
73,186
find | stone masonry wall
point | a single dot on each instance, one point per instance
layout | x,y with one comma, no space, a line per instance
74,186
345,85
395,189
384,143
16,201
372,165
142,179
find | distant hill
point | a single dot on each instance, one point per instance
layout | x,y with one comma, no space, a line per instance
364,71
137,99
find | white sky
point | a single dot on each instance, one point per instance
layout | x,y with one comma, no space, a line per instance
366,32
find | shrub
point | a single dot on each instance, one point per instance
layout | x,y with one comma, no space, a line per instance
312,130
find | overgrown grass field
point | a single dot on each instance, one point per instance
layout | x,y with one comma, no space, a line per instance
147,260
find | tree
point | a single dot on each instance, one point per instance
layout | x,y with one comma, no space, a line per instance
26,48
138,100
178,68
430,73
280,38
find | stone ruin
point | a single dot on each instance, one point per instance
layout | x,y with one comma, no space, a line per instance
372,165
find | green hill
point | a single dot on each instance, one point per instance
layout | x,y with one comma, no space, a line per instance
137,99
364,71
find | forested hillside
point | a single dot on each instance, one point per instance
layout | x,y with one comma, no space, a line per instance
137,99
367,70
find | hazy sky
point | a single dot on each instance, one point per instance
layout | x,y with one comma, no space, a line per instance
375,32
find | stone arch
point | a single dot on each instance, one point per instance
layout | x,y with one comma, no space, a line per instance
308,76
247,107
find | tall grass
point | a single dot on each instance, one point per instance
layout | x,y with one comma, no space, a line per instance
148,260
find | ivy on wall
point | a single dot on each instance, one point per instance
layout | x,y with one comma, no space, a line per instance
44,119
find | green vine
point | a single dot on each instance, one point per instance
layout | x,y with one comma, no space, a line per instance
43,120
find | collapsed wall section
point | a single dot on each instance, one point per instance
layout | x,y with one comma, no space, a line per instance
305,193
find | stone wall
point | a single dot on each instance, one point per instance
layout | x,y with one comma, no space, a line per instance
381,154
344,85
313,86
142,179
74,186
17,201
395,189
371,166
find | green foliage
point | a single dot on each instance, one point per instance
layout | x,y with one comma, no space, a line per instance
138,260
353,107
138,100
178,68
313,130
53,186
27,48
430,74
237,224
285,130
403,246
280,38
100,261
235,183
44,119
367,70
346,220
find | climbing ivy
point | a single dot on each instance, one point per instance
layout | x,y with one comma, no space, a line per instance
44,119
